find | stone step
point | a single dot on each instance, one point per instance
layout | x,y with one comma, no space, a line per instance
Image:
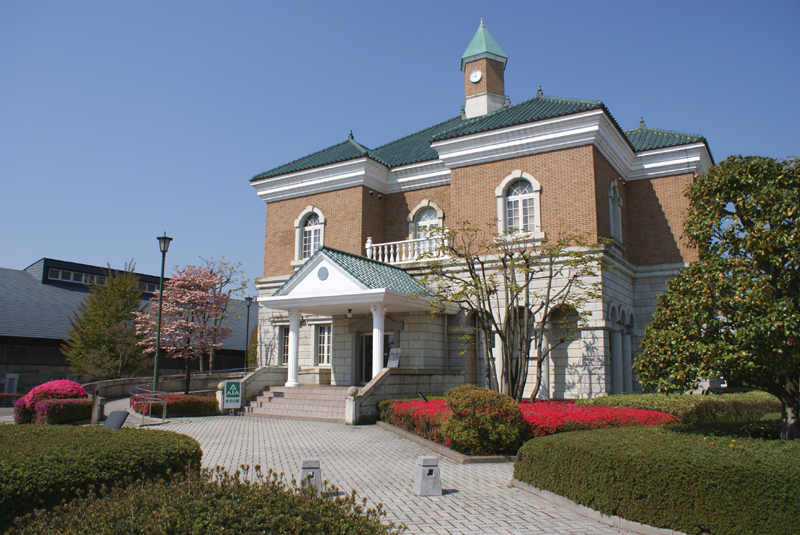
323,403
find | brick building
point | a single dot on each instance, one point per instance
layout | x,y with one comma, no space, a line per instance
344,227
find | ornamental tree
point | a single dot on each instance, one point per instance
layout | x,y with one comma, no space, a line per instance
103,342
735,313
530,293
191,306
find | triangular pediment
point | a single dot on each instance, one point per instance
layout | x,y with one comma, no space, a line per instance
320,276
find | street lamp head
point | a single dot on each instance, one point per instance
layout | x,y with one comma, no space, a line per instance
163,243
248,300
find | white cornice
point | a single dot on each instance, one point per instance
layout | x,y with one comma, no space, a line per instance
580,129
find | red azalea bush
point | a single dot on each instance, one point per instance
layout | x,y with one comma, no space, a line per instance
540,418
550,417
25,407
63,411
180,404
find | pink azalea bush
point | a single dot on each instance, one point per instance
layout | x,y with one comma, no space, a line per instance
541,417
25,407
62,411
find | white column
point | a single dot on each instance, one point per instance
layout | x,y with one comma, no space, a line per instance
616,362
294,339
627,372
378,316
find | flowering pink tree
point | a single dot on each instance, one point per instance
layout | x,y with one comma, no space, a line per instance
191,306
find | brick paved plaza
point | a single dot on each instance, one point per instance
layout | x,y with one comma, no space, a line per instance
380,466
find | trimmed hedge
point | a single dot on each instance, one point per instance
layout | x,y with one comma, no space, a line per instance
656,476
695,408
25,407
41,465
182,404
63,411
212,503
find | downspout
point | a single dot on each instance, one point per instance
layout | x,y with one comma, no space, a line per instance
446,342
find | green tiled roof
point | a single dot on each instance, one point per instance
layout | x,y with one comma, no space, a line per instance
370,273
346,150
535,109
483,43
413,148
644,138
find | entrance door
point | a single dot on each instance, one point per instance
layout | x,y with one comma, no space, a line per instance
365,355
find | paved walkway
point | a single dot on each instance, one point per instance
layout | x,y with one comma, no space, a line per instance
380,465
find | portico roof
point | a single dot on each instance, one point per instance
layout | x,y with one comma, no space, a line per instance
333,282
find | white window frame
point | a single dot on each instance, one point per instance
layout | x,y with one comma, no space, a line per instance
299,228
614,212
501,193
323,357
283,345
417,211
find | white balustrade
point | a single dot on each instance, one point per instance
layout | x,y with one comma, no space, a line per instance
406,251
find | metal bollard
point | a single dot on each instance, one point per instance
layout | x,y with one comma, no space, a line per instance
311,473
428,481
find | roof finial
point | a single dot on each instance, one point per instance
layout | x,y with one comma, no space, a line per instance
481,19
350,137
641,122
539,92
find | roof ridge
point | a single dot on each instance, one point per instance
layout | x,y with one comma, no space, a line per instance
566,99
342,143
414,133
359,257
664,131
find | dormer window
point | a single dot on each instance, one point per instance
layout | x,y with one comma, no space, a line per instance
309,234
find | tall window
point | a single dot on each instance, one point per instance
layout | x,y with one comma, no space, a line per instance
615,212
284,345
426,221
520,207
312,235
323,345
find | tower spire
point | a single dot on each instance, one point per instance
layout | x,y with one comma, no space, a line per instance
483,65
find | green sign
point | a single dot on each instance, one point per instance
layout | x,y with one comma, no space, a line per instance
232,396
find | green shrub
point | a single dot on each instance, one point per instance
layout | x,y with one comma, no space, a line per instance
63,411
482,422
41,465
695,408
213,503
182,404
681,481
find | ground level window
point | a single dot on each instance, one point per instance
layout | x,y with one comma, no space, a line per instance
323,345
284,345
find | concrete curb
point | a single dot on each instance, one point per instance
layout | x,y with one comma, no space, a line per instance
614,521
445,451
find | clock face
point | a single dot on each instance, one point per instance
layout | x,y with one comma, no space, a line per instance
475,77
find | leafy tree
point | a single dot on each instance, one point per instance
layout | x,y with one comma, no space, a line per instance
518,288
252,349
233,284
189,326
103,342
735,313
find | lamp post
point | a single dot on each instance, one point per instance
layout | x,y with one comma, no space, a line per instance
163,244
249,301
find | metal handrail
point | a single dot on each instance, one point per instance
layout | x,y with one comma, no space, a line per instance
145,399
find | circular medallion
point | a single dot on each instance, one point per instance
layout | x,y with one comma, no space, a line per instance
322,273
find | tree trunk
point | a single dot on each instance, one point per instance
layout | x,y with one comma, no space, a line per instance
187,381
212,357
790,414
538,384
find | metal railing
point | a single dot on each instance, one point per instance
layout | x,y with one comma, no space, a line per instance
144,400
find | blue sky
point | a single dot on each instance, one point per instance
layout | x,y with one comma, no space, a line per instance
122,120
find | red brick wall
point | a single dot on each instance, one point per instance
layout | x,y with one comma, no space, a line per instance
568,200
491,81
655,220
399,206
604,174
343,211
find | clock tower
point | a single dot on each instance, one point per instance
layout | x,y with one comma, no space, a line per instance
483,65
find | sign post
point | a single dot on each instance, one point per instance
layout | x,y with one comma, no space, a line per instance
394,358
232,395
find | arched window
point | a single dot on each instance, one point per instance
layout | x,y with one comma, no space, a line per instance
312,235
615,212
425,222
518,206
309,234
